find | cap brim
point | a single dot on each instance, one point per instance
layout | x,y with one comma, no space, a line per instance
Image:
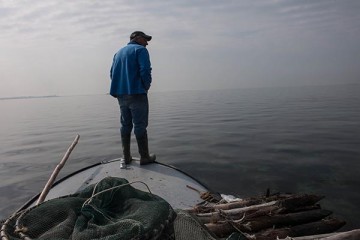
147,37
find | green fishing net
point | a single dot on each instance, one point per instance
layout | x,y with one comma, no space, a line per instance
110,209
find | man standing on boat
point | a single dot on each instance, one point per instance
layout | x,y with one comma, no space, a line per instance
130,81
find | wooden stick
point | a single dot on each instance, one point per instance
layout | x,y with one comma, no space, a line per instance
252,213
312,228
290,219
287,202
224,229
53,176
236,211
251,201
350,235
262,223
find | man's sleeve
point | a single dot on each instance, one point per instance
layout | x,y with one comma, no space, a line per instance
145,67
111,69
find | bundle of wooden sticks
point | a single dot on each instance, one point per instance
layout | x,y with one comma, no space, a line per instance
272,217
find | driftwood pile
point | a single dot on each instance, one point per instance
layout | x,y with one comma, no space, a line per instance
271,217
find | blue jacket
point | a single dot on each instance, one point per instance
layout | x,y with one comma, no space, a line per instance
131,71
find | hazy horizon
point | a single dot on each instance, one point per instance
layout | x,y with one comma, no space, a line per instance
66,48
184,90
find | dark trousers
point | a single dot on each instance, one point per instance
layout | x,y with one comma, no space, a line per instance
134,111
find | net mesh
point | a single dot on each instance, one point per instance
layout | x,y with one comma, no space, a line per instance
111,209
187,227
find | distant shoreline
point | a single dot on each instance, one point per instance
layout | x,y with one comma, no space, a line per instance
352,84
27,97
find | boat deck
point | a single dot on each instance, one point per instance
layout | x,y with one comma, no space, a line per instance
162,180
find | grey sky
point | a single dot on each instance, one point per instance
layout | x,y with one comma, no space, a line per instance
66,47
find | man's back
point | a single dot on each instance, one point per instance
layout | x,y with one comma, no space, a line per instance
131,71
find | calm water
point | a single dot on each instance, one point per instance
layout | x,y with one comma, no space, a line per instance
303,140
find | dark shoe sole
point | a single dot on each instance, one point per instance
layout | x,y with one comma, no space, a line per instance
146,162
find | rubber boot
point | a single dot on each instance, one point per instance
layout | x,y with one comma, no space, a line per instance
145,157
125,141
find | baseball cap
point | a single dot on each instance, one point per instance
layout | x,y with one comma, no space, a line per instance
139,33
